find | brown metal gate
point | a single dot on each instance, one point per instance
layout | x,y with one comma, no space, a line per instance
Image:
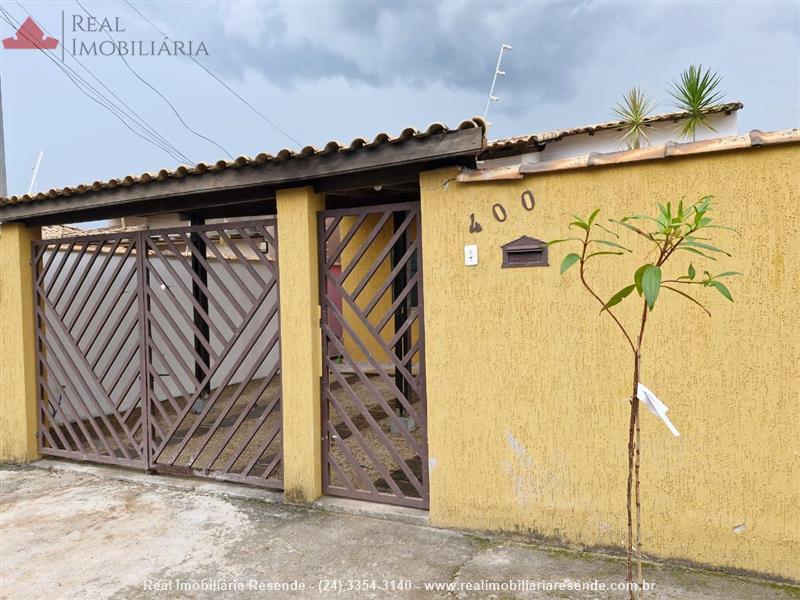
161,349
373,377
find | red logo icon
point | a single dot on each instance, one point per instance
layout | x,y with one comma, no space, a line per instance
30,37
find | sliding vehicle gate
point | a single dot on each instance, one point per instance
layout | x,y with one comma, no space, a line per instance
160,350
373,376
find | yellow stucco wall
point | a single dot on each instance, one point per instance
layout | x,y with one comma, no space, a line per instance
301,342
527,385
17,338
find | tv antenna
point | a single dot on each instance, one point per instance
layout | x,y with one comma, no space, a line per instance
497,71
35,172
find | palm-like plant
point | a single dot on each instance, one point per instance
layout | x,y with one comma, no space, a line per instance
694,92
633,111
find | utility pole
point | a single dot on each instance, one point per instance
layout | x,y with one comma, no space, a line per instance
3,185
497,71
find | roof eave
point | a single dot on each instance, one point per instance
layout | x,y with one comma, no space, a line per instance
453,146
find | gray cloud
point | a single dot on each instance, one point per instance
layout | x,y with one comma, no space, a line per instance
380,44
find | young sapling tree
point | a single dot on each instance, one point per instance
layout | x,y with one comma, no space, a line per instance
673,230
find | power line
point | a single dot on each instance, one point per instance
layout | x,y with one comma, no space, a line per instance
164,98
220,81
75,78
141,122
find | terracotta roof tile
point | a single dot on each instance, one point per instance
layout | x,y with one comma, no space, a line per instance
557,134
242,161
754,139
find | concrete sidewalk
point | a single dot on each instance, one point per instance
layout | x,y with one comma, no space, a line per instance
88,532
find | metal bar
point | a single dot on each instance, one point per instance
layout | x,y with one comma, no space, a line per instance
79,398
264,416
376,394
380,467
376,337
238,392
390,278
328,259
202,362
243,415
153,297
106,315
398,283
70,273
195,252
373,235
57,274
86,272
242,260
397,236
376,429
70,326
174,299
224,262
401,297
179,283
211,401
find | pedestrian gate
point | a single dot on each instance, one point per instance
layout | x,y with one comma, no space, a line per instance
160,349
373,376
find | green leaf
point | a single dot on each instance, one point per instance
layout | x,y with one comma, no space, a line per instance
642,218
618,297
694,251
614,233
687,296
651,282
709,247
580,224
602,253
592,217
632,228
637,277
569,260
725,227
727,274
722,289
691,271
610,243
570,239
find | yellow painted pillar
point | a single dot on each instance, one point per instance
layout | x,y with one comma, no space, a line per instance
301,343
17,345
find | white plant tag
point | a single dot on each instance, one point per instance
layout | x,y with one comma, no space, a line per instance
656,406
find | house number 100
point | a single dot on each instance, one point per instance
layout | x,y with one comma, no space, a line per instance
499,211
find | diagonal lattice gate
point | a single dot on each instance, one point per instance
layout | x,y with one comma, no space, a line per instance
373,384
160,349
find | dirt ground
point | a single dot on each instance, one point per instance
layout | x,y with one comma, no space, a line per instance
242,436
75,531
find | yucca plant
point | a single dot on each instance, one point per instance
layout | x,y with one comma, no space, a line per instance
694,92
633,111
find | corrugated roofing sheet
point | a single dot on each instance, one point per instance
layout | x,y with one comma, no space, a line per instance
556,134
284,154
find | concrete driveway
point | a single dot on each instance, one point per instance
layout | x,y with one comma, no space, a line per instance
93,532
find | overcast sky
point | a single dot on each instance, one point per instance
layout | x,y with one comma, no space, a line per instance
338,70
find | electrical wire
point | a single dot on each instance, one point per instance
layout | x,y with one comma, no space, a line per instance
81,84
141,122
164,98
218,80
